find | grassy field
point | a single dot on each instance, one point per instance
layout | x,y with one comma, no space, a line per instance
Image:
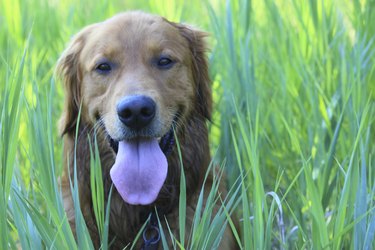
294,121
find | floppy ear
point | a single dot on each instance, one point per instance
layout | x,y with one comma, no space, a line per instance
202,80
69,69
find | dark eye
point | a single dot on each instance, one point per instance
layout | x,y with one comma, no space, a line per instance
165,63
103,68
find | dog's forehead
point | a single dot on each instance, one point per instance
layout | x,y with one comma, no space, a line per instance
134,31
136,23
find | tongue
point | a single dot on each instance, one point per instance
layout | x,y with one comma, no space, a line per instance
139,171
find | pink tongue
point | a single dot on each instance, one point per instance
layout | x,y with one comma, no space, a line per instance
139,171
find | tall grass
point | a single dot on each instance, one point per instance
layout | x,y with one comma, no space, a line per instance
297,86
294,127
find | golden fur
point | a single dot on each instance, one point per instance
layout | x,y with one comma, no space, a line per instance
131,40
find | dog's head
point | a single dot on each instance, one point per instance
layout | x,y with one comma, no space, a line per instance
138,75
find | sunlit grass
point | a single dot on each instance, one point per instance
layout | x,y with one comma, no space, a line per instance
293,127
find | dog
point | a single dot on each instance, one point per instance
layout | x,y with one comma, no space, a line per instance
139,84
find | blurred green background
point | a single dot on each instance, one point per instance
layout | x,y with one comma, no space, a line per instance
294,93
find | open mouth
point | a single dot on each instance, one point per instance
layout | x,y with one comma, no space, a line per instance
141,167
166,143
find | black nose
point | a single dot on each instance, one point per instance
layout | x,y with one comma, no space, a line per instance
136,111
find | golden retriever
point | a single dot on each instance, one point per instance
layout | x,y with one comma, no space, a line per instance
137,78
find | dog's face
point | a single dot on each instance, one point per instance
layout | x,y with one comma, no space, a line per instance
139,56
137,75
132,63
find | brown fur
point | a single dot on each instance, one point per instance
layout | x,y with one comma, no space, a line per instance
131,40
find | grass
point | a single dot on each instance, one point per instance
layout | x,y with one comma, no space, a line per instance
294,126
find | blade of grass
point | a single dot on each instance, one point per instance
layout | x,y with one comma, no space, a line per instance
105,244
320,236
9,129
247,227
162,234
96,182
83,236
140,232
182,198
360,208
350,180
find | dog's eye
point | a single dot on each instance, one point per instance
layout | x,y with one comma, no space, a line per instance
103,68
165,63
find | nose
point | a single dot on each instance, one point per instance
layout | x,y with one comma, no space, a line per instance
136,111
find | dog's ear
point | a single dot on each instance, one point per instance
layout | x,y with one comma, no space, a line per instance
69,70
198,49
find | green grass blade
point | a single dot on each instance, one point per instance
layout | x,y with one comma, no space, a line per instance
361,205
96,181
320,235
182,198
83,236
